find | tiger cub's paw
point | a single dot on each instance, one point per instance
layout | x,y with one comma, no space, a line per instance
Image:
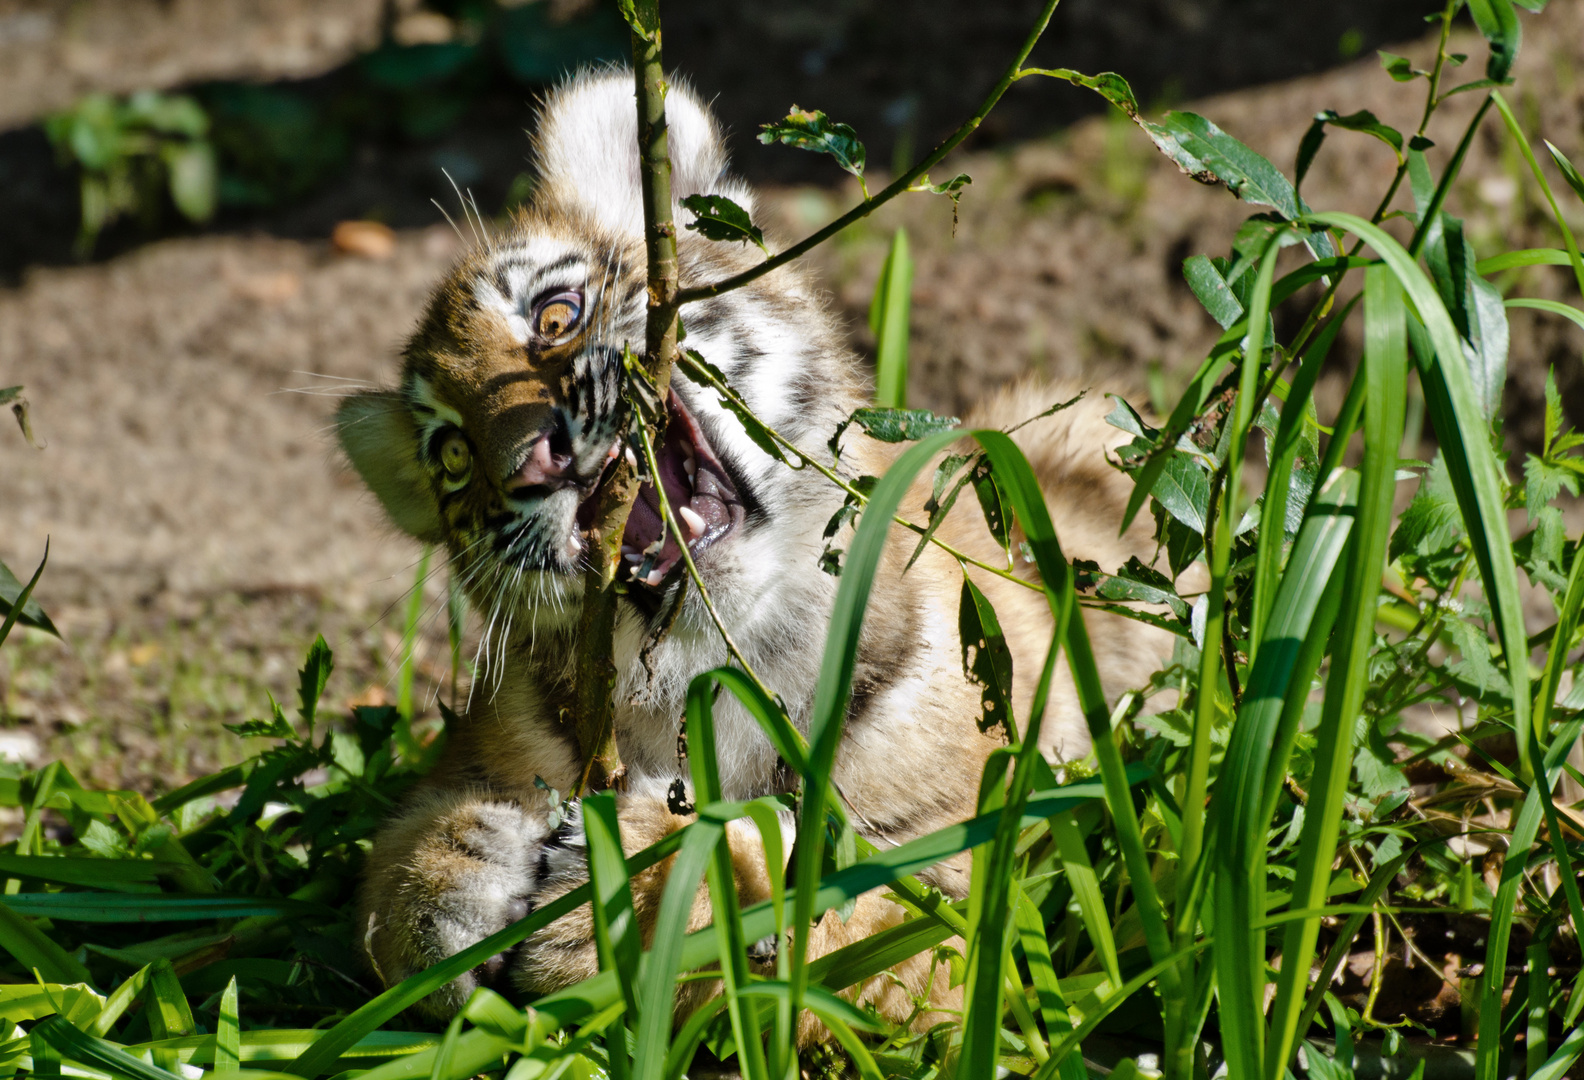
474,873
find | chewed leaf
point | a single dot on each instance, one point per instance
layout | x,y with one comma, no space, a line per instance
901,425
892,425
1135,581
986,659
716,217
811,129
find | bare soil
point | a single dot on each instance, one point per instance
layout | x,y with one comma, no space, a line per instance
202,530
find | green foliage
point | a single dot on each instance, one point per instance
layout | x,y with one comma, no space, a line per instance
812,130
126,152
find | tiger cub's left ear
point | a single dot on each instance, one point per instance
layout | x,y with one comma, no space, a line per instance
378,435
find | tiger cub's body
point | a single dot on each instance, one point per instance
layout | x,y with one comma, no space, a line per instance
507,413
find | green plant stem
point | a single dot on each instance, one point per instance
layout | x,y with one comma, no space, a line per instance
680,535
595,679
836,478
896,187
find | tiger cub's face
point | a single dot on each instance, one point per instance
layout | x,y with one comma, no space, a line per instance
510,409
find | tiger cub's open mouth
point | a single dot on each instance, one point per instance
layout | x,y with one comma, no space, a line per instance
700,491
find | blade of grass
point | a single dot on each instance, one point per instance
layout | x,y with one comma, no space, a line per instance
1053,1006
1302,614
1534,166
78,1046
888,321
35,950
22,597
1284,454
228,1033
1567,311
705,768
1086,890
1508,260
615,925
1385,371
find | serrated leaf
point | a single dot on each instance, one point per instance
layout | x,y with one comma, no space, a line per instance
715,217
811,129
1432,522
1212,290
277,727
311,680
987,661
1476,666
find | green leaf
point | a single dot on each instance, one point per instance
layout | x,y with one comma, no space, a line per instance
1499,24
986,659
889,314
715,217
276,727
13,593
1362,121
813,130
898,425
1400,68
193,178
33,948
1212,290
1569,173
704,373
311,681
228,1034
1135,581
78,1046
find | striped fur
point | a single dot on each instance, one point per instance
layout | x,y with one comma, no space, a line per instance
469,851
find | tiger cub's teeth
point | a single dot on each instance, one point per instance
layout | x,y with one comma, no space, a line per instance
694,523
655,577
573,544
631,556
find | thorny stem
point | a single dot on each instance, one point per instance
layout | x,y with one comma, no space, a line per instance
902,183
595,682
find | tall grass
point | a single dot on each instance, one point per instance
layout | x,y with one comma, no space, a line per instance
1180,893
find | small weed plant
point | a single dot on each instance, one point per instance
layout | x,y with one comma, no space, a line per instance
1257,816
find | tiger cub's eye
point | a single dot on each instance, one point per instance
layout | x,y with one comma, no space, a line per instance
454,454
558,315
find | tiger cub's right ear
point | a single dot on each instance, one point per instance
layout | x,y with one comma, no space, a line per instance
378,435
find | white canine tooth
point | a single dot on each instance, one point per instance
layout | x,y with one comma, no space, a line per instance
694,523
655,578
632,458
573,545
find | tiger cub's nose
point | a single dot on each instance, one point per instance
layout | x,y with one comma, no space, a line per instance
548,465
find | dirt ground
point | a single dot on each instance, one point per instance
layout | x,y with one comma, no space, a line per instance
202,530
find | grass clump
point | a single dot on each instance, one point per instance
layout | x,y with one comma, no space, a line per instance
1195,892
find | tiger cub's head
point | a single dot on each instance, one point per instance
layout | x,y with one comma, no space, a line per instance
510,407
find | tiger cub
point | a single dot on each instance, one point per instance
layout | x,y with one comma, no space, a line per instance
508,410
